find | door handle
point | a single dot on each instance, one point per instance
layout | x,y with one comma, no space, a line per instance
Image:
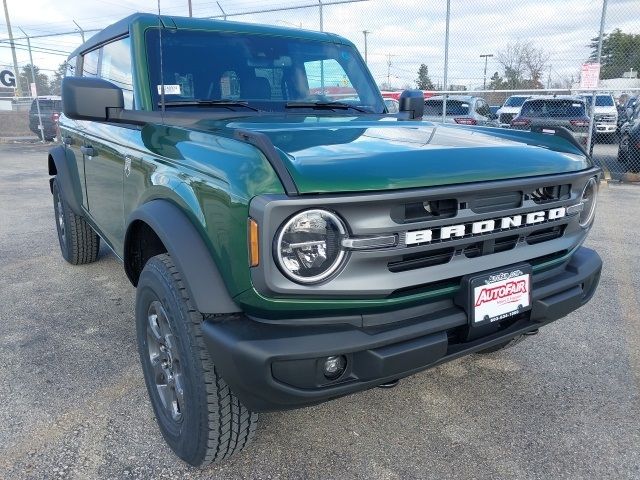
89,151
67,140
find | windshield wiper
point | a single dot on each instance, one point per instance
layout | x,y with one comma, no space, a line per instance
325,106
212,103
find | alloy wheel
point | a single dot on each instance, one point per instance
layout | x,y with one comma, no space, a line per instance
165,362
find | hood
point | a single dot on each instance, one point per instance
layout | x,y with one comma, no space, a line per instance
509,110
347,154
608,109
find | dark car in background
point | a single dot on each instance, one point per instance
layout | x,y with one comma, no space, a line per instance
557,111
50,108
625,112
461,109
629,149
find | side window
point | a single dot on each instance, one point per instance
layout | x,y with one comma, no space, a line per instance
116,68
328,78
70,67
482,108
90,63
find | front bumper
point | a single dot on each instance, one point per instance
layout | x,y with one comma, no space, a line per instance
278,366
606,128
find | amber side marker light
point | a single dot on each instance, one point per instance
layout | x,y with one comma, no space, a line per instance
254,251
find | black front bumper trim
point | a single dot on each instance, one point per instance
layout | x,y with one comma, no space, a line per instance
278,366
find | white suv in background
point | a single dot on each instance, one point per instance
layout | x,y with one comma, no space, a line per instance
605,115
510,109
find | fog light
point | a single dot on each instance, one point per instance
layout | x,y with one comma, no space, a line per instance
334,366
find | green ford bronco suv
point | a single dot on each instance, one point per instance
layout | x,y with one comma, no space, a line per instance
292,242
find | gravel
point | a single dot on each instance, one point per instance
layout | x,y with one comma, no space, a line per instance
562,404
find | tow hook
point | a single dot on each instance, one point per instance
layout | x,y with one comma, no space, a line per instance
389,384
531,332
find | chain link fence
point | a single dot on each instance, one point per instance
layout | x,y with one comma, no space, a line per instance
496,51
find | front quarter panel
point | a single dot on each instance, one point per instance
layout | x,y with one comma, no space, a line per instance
212,179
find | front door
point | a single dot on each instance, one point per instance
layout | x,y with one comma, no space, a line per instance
104,174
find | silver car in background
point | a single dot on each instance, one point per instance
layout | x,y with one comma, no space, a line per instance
461,109
510,109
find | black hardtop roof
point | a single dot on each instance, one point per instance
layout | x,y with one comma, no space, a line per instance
122,27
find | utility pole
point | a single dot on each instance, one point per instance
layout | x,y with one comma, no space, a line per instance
598,60
81,30
486,57
446,61
365,33
389,55
224,14
13,50
35,84
190,9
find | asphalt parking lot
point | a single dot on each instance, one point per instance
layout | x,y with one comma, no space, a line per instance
562,404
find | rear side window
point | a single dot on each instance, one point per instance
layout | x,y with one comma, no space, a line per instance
47,106
553,108
454,107
514,101
90,63
116,68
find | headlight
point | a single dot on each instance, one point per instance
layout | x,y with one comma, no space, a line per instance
589,200
308,246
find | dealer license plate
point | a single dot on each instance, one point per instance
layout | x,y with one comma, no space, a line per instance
500,295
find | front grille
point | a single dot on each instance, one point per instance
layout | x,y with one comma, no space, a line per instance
506,117
453,284
605,118
436,250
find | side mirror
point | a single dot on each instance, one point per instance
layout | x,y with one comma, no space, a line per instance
87,98
412,102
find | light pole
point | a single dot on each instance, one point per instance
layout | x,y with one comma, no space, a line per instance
486,57
13,50
365,33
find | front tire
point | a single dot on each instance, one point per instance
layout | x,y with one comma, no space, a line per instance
79,244
198,415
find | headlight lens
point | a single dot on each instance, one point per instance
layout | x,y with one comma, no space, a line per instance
309,246
589,200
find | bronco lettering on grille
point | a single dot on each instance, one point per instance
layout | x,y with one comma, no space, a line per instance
485,226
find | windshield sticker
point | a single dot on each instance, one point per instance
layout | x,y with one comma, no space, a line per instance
170,90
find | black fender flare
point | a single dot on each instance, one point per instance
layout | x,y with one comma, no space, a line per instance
189,253
66,177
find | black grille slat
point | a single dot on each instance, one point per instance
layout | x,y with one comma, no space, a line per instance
496,202
545,235
422,259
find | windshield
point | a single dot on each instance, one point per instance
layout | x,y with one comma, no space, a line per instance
601,100
553,108
454,107
515,101
266,72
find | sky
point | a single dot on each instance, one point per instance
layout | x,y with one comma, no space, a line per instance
403,34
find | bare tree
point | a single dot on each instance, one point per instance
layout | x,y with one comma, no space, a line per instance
512,61
536,61
524,65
